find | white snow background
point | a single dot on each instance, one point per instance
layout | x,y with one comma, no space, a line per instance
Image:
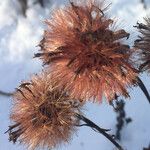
18,39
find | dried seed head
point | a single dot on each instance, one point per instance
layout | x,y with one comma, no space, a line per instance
86,56
143,43
44,116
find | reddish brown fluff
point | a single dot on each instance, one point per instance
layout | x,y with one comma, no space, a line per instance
143,43
44,117
86,56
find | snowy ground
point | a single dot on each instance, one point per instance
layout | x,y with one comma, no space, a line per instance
18,39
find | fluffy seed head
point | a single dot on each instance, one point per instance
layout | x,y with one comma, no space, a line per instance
44,117
143,43
86,55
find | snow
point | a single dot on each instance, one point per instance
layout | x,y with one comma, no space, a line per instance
19,37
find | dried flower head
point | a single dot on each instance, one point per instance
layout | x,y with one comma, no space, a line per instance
143,43
86,55
44,117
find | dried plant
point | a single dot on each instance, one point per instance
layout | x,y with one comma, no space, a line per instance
86,58
122,120
86,55
43,116
143,43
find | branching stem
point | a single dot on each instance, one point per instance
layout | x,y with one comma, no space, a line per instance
100,130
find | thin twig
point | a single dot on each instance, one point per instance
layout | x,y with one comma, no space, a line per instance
100,130
144,89
5,93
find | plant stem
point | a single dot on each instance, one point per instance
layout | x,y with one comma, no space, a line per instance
100,130
143,88
5,93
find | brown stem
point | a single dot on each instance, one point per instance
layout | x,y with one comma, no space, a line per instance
144,89
100,130
5,93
